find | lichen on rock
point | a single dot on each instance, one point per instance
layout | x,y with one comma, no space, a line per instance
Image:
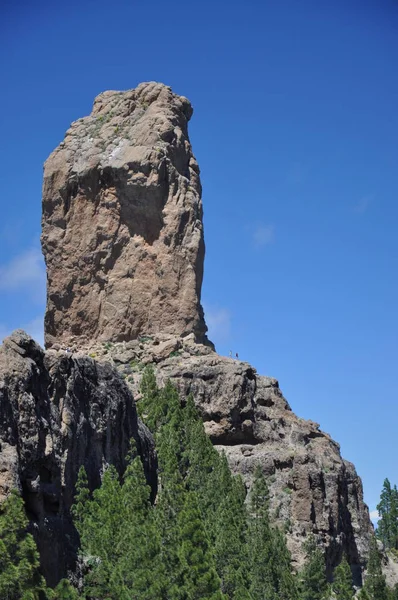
122,222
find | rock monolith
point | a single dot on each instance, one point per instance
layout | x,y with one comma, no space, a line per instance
122,224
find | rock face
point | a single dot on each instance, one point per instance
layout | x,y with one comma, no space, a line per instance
312,488
122,222
123,243
58,412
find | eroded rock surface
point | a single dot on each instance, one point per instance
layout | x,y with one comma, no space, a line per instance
58,412
122,222
123,243
312,488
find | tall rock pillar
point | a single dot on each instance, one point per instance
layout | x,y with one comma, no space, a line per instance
122,222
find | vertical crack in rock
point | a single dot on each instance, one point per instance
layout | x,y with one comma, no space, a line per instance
123,243
122,222
58,412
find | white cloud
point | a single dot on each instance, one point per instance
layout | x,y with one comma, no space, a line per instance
362,205
219,323
263,235
35,328
25,272
374,515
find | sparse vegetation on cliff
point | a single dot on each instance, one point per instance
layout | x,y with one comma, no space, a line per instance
201,538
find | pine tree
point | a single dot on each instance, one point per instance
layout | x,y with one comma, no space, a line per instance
342,584
139,569
101,527
284,581
118,535
82,496
230,543
20,577
199,579
387,528
170,501
313,582
375,583
270,570
64,591
150,407
261,543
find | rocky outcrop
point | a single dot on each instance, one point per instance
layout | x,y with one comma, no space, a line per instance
58,412
312,488
123,243
122,222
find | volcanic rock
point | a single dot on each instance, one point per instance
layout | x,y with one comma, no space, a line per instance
123,242
122,222
58,412
313,490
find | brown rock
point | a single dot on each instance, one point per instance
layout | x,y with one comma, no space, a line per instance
312,488
122,222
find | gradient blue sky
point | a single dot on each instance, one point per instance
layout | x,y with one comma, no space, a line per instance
295,129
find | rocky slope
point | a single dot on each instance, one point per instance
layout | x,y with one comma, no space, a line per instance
313,489
122,222
58,412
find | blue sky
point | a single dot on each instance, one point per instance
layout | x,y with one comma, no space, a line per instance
295,129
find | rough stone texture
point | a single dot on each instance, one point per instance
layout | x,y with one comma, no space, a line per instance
123,242
58,412
390,568
312,488
122,222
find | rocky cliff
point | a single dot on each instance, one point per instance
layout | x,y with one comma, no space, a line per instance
123,243
122,222
58,412
312,488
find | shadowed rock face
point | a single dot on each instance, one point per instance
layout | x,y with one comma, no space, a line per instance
123,242
122,222
58,412
313,490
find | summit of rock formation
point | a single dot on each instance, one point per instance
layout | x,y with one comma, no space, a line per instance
122,231
124,248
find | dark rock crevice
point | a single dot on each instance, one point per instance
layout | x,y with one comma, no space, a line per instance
62,412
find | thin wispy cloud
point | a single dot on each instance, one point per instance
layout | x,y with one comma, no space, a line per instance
219,323
362,205
263,235
25,272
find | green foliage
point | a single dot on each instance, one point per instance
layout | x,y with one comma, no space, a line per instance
150,407
118,536
199,579
63,591
20,577
375,583
387,527
394,593
270,568
193,543
313,583
342,583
